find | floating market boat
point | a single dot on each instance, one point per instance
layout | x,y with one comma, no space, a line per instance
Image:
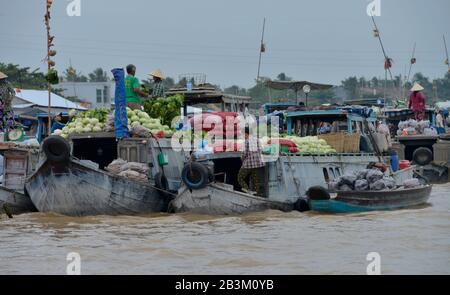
65,185
287,178
360,201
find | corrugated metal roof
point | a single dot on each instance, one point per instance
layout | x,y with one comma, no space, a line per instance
40,98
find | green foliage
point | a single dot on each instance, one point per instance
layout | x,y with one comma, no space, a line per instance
98,75
165,109
71,75
22,77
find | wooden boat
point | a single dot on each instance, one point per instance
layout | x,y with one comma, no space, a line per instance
14,202
78,189
221,199
360,201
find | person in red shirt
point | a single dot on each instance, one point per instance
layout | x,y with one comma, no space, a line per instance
417,102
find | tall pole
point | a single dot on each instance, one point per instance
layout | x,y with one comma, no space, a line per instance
49,44
381,44
261,49
446,53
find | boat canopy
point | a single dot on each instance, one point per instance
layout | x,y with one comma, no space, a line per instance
296,85
210,95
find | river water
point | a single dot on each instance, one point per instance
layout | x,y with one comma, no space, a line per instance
412,241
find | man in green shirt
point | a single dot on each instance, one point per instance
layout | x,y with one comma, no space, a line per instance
133,89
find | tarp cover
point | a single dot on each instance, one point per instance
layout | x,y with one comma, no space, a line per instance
296,85
121,120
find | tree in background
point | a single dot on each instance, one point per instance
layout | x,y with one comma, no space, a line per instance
351,87
71,75
98,75
23,77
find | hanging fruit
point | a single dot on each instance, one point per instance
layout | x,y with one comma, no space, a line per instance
52,76
413,60
52,53
388,63
51,63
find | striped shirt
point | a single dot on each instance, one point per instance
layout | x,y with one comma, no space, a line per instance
252,157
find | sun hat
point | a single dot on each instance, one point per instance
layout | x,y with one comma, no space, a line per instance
157,73
3,76
417,87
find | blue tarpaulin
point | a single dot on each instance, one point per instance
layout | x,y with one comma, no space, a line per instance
121,120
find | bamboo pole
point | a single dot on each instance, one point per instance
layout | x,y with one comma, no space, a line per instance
49,86
260,49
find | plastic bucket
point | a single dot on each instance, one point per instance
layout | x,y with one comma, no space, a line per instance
403,164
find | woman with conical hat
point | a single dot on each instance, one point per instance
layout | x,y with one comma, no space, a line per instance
7,94
417,102
158,86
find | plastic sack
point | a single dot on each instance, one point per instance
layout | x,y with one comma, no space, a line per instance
140,131
347,179
345,188
378,185
411,183
374,175
361,174
115,166
390,182
137,167
430,131
361,185
130,174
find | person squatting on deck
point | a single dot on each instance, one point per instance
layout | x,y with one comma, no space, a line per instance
440,122
7,94
133,89
251,164
417,102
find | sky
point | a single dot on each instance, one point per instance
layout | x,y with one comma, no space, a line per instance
323,41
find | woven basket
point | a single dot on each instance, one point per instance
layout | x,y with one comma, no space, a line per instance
351,143
335,140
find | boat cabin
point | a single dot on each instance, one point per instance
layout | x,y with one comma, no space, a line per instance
306,123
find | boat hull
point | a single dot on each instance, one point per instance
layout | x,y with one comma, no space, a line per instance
77,189
15,202
221,199
354,201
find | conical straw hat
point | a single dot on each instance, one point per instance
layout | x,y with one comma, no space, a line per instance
3,76
417,87
157,73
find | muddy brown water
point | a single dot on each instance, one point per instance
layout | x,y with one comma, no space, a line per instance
411,241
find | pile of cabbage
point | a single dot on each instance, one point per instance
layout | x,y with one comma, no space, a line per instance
311,145
89,121
141,118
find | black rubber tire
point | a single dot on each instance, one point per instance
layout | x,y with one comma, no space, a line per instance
422,156
200,175
57,149
318,193
162,184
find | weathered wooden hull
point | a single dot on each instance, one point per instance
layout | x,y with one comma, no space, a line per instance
220,199
354,201
77,189
15,202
